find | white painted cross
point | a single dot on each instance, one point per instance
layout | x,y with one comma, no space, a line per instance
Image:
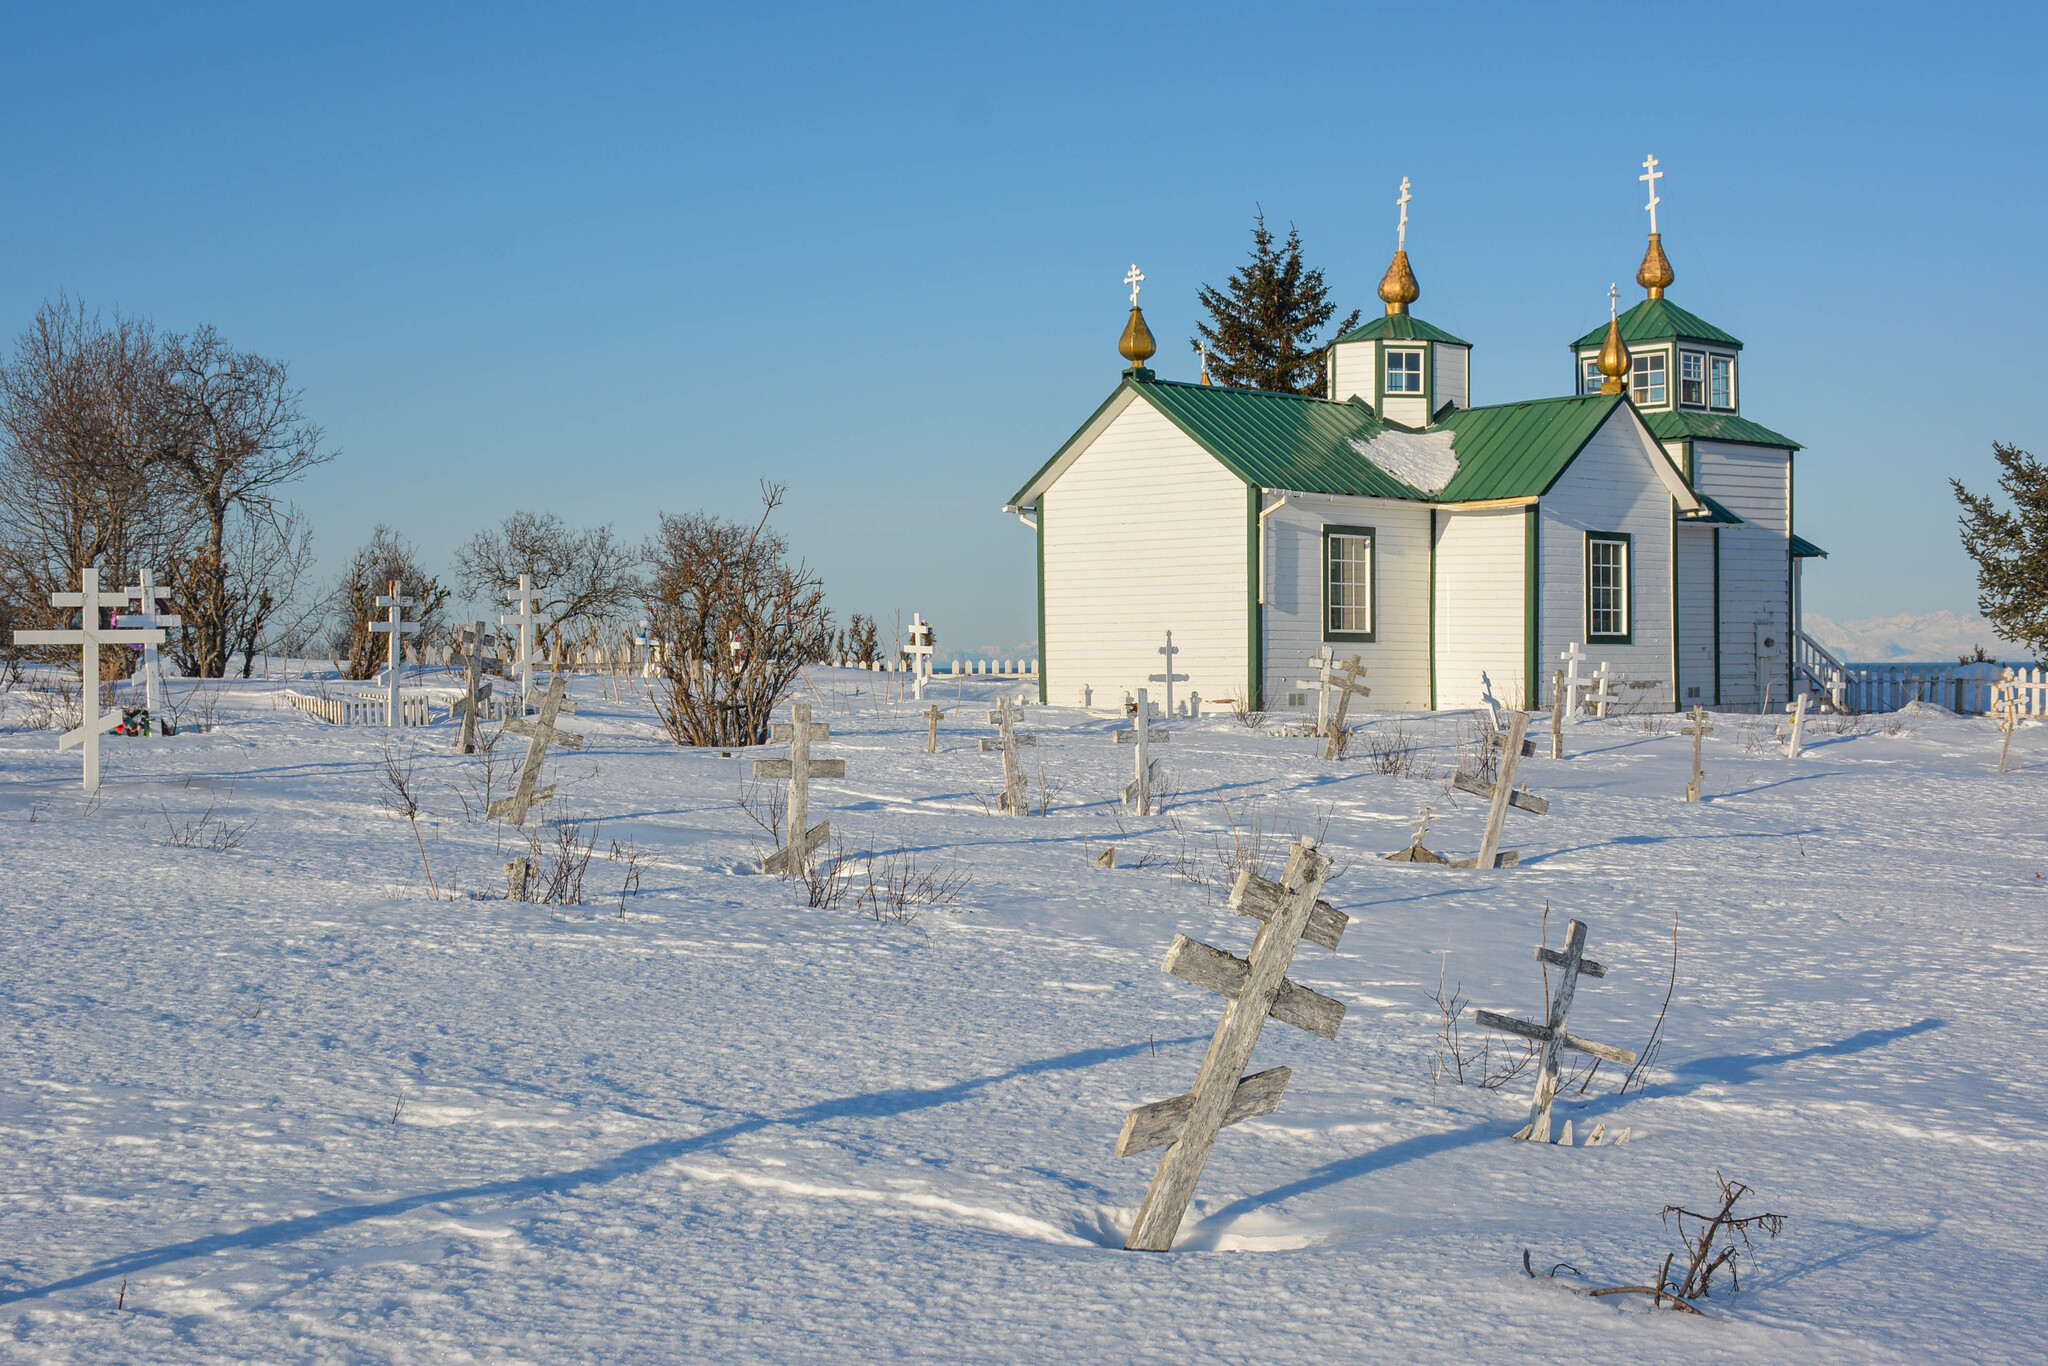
799,768
1323,664
89,636
1144,735
1403,202
540,733
1347,687
645,642
477,692
1136,280
1015,801
1169,678
1256,986
1795,738
1698,729
1603,691
1654,175
920,651
146,593
1553,1034
398,628
1574,681
524,599
1501,792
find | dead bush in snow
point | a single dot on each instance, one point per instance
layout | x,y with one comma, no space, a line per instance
560,857
1390,750
209,831
1711,1243
895,890
401,797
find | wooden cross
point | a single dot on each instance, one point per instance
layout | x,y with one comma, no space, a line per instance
1015,800
1557,713
540,733
89,636
475,694
397,627
1322,664
1503,795
146,594
2005,705
1347,687
1256,986
1603,690
920,651
1144,735
1169,678
799,768
1415,852
1795,739
1553,1034
1573,680
1698,729
932,716
525,598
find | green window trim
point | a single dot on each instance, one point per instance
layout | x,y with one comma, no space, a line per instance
1626,636
1379,378
1372,585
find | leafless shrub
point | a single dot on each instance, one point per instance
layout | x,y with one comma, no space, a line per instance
1049,788
561,857
635,859
1639,1075
1390,751
1895,723
478,787
1710,1242
51,704
197,710
209,831
1248,716
827,879
1345,735
895,891
1476,754
766,807
1652,720
401,797
1244,842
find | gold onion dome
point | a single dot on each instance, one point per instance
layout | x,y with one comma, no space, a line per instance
1397,287
1136,344
1614,358
1655,272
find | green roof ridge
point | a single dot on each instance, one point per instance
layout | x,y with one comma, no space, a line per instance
1674,426
1661,320
1399,327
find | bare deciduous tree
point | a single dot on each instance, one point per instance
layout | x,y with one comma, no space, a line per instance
582,574
370,572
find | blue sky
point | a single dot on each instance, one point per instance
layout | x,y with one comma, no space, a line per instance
611,261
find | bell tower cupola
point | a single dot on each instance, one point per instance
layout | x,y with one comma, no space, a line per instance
1404,369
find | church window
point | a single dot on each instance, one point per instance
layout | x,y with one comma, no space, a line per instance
1724,382
1347,583
1592,377
1648,378
1692,379
1607,588
1404,372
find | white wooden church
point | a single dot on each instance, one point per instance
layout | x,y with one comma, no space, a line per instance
1642,516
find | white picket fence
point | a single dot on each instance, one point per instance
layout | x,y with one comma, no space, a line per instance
993,668
367,708
1965,688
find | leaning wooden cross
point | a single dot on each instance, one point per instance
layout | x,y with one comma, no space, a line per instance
397,627
1698,729
932,716
1138,793
540,733
1553,1035
2005,705
476,693
1169,678
146,595
1503,795
1256,986
1015,801
89,637
1347,687
1795,736
1322,664
799,768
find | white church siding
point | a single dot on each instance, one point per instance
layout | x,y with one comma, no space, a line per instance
1144,533
1453,374
1755,483
1410,410
1399,655
1353,372
1610,487
1695,616
1480,604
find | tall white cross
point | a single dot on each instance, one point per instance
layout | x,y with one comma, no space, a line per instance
1613,302
1169,678
920,651
1136,280
397,627
1654,175
89,636
525,598
146,593
1403,202
1573,680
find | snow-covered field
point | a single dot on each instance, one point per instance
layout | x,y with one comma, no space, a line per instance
281,1106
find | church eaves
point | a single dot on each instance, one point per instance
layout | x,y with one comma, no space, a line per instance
1398,327
1676,426
1660,320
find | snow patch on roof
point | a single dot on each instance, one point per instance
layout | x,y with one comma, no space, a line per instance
1423,460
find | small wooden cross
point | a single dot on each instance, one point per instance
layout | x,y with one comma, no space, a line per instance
525,598
1144,735
1169,678
540,733
1557,713
476,692
1415,852
1256,986
2005,705
1795,737
1603,691
1698,729
1574,681
932,716
146,594
1502,794
1553,1034
397,627
1322,664
89,636
1015,801
920,651
1347,687
799,768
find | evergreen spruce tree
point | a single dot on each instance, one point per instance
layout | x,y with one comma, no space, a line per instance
1261,328
2011,549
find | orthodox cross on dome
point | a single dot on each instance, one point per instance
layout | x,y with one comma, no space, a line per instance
1652,176
1136,280
1613,298
1402,245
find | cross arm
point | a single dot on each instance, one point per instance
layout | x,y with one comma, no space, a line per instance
1520,800
1542,1034
786,768
1255,896
385,628
535,697
1159,736
990,745
560,738
107,721
1558,960
782,732
1160,1123
1226,973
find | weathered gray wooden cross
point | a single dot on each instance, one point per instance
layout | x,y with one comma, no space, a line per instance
1256,986
397,627
1553,1034
1698,729
932,716
1557,713
1415,852
1795,735
1138,793
146,594
1015,801
525,598
1322,664
799,731
1169,678
540,732
1503,795
2005,705
477,692
89,636
1347,687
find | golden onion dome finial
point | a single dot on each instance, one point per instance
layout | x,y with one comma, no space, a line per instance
1136,345
1614,357
1655,272
1397,287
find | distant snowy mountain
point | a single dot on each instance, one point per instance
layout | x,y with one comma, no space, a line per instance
1929,637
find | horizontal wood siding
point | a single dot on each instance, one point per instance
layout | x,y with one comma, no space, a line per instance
1399,657
1695,616
1453,375
1612,486
1144,533
1410,410
1480,604
1353,370
1755,483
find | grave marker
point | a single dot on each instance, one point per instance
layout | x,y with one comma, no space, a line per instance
1795,741
146,593
2005,705
1347,687
1603,690
1144,735
1322,664
1557,713
89,636
799,768
1503,795
920,651
398,628
932,716
1553,1034
1015,801
1415,853
524,599
476,693
1169,678
540,733
1698,730
1256,986
1573,680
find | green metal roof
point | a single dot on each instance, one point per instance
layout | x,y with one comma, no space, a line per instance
1806,550
1716,427
1517,450
1399,327
1717,513
1660,320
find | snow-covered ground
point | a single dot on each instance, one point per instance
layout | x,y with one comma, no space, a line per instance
283,1107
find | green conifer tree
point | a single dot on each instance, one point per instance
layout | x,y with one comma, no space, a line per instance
2011,549
1262,325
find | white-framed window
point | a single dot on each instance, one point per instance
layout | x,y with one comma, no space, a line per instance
1347,582
1692,379
1592,376
1722,390
1404,372
1607,588
1647,384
